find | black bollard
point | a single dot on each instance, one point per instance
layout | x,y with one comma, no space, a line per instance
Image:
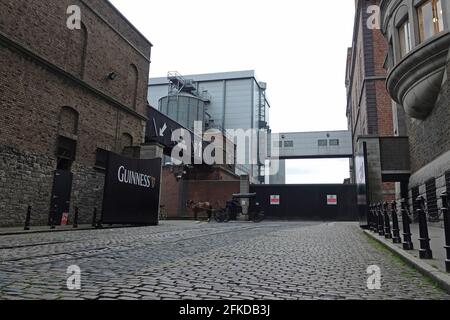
373,219
75,218
395,226
94,218
52,218
380,220
407,240
99,225
387,222
28,219
446,214
425,249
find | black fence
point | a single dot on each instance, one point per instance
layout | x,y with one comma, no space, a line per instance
308,202
382,214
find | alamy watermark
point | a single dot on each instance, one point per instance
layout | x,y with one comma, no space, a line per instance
74,280
374,19
74,17
242,147
374,279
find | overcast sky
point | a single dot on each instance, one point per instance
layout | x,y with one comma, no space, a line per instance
298,47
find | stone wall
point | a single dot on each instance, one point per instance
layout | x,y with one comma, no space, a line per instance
25,179
53,82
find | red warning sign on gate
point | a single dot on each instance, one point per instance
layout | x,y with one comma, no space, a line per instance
332,200
275,200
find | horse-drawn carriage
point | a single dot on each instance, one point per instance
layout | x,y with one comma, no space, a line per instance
232,210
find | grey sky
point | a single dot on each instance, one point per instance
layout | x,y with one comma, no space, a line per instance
298,47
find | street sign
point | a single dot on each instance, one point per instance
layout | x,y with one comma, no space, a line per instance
275,200
332,200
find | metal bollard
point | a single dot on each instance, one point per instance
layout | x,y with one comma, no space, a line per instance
425,249
407,240
75,218
373,219
99,225
94,218
446,214
387,222
395,225
52,218
28,219
380,220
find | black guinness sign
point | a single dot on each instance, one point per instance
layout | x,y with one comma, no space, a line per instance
132,188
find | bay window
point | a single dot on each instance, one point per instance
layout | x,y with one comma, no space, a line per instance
430,19
404,33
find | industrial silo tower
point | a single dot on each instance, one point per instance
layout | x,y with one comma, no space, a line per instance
184,103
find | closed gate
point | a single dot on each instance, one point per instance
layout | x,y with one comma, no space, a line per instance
308,202
62,189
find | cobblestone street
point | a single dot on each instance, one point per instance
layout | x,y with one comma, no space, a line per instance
187,260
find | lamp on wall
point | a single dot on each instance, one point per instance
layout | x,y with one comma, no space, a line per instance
112,76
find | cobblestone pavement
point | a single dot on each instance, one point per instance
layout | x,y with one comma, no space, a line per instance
187,260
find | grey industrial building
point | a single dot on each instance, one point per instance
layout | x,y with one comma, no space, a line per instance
229,100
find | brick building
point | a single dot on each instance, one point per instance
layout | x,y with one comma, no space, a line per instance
418,64
66,95
369,106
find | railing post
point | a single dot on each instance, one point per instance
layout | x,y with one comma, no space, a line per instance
446,214
28,219
75,218
94,218
380,220
425,249
407,240
387,222
395,226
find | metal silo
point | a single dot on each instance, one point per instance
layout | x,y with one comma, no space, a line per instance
183,103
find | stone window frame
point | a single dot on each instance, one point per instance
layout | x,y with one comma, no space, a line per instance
417,7
72,135
408,9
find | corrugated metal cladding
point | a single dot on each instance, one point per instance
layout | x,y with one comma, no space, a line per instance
432,205
184,109
308,202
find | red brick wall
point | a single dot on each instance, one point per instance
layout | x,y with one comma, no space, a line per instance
215,192
212,185
34,91
41,26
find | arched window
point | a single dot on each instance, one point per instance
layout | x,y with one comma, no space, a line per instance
132,85
76,53
68,121
126,141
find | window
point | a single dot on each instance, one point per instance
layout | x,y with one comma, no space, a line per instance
430,19
289,144
323,143
404,34
334,142
66,148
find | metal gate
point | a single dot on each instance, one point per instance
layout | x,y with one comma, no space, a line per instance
308,202
62,189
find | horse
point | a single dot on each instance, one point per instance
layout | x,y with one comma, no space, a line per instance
200,207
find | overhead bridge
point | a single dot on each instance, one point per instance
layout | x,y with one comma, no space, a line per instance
311,145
